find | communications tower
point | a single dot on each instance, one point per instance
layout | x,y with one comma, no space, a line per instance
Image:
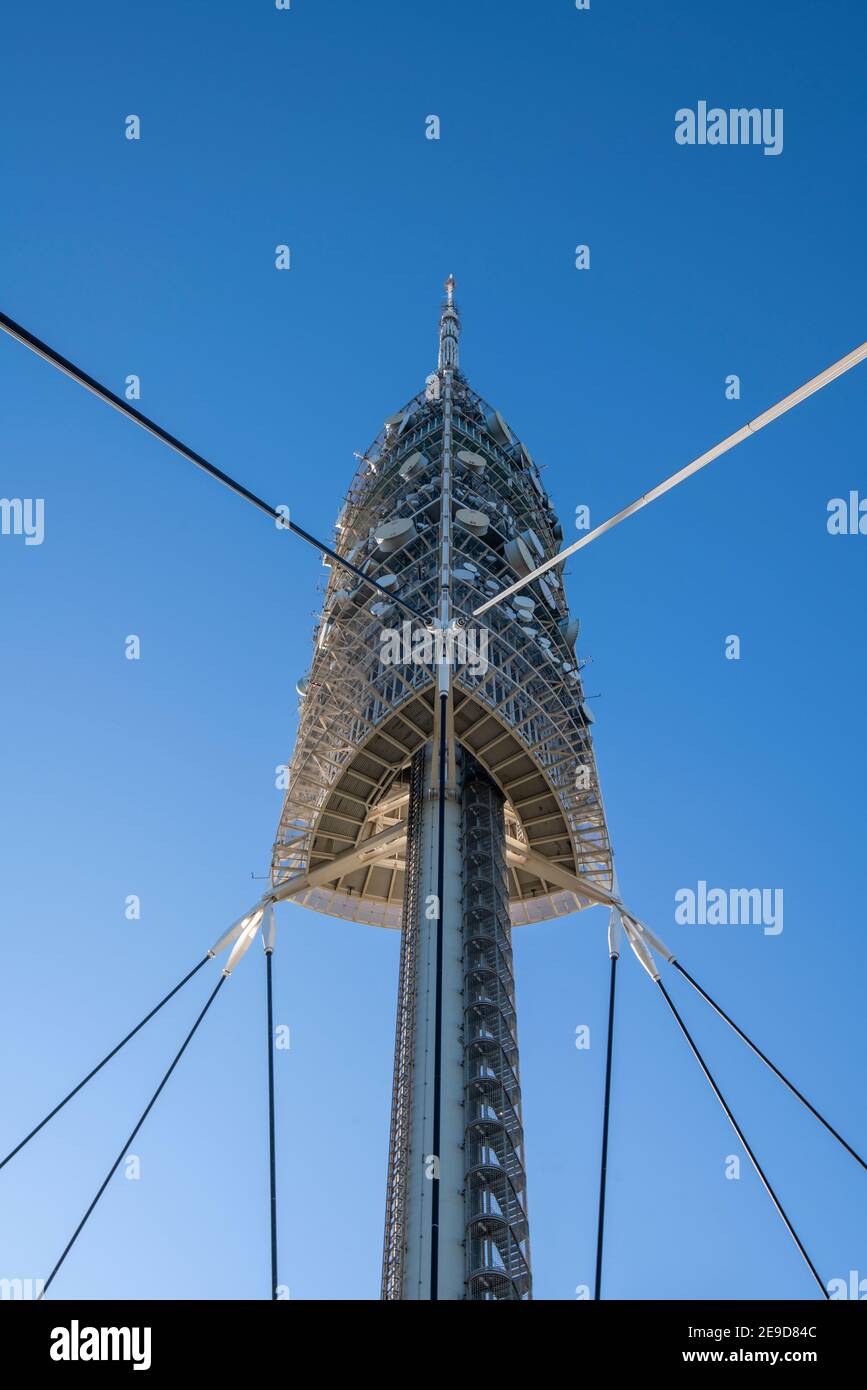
443,785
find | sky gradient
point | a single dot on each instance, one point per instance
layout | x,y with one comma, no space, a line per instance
156,777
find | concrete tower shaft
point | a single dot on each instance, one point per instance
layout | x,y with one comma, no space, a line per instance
482,1217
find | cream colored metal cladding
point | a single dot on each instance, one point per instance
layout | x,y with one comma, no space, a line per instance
518,697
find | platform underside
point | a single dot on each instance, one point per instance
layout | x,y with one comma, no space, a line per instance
370,796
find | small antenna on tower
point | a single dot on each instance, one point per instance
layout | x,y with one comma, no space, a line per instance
450,330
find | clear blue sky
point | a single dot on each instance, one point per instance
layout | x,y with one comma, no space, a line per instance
156,777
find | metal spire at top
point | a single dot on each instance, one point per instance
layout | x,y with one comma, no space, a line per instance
450,330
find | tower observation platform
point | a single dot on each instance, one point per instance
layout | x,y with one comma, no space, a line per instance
443,777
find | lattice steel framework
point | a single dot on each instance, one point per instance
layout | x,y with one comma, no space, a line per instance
398,1146
497,1241
525,718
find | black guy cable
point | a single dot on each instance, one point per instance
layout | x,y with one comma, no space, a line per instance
767,1061
107,1058
742,1137
272,1136
22,335
603,1169
148,1108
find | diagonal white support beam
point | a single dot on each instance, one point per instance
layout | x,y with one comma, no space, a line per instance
378,847
650,939
520,857
809,388
640,947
